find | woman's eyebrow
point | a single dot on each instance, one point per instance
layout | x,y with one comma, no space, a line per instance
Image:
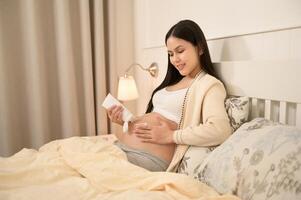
180,46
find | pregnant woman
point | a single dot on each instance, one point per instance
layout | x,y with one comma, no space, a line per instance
187,108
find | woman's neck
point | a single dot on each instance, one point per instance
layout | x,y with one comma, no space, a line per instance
194,74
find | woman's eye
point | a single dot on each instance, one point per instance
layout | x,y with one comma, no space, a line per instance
180,51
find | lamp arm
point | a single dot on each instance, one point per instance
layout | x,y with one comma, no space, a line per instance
152,69
132,65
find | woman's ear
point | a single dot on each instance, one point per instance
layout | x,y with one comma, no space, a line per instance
201,51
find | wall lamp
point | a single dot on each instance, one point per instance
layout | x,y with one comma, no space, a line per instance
127,89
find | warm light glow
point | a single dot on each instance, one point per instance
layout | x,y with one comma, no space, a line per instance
127,89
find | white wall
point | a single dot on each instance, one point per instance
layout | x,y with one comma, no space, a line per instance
236,30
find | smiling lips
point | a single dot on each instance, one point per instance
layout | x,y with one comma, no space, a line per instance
180,67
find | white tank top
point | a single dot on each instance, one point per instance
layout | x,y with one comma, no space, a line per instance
169,103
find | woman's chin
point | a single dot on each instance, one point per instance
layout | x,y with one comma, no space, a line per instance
183,73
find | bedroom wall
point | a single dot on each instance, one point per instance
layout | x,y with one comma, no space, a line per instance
235,30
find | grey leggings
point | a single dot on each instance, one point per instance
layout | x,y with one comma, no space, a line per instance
143,158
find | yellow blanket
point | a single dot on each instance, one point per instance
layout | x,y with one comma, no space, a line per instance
90,168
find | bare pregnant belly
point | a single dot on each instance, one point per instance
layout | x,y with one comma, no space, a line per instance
164,151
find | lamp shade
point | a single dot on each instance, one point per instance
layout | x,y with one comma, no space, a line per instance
127,89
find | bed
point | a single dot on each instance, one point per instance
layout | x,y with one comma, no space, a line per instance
265,110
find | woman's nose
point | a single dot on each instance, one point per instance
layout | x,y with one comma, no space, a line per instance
176,58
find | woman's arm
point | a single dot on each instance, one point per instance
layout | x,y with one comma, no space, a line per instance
146,120
213,131
215,127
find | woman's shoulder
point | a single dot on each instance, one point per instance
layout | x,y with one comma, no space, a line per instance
208,83
209,80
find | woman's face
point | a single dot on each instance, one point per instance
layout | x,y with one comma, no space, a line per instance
184,56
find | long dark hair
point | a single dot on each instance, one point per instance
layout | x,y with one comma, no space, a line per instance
191,32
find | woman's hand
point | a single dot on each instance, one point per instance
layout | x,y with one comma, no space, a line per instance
115,114
159,134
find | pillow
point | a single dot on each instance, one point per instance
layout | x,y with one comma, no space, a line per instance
238,110
193,159
261,160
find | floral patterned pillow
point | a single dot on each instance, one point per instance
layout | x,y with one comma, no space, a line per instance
193,159
238,110
261,160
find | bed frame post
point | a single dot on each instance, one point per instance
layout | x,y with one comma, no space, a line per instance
282,112
298,115
267,109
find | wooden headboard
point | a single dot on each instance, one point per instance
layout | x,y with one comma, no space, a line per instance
274,87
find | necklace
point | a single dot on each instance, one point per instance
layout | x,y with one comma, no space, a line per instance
185,97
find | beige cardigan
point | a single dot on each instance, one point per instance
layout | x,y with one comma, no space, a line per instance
205,121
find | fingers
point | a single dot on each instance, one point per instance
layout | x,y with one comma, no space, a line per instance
141,129
115,113
142,126
148,141
119,114
144,136
143,132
